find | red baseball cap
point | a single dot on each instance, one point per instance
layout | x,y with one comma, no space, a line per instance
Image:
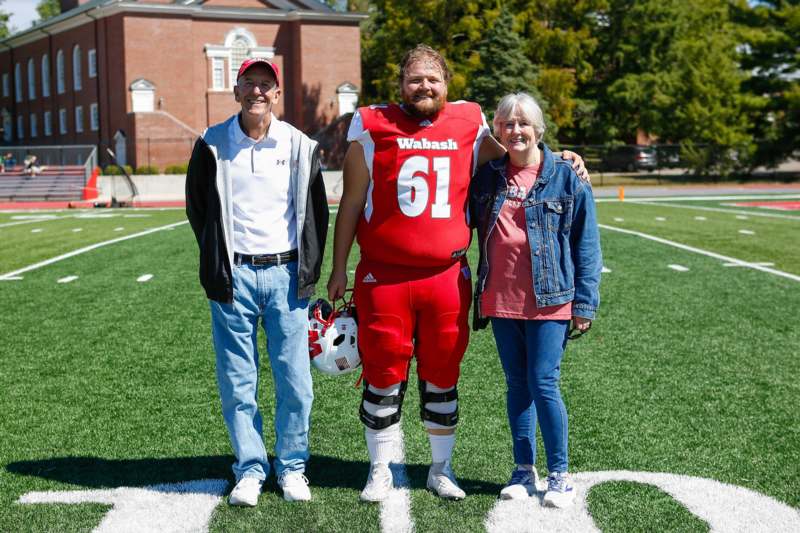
253,61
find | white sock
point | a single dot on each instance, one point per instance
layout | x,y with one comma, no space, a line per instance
382,443
442,447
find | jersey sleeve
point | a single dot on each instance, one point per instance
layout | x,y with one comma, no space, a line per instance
483,132
356,131
484,128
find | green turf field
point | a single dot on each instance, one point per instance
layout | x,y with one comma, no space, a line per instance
109,382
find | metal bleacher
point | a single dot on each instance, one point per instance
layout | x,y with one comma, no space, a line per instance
53,183
64,173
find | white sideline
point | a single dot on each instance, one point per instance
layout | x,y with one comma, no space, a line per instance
29,221
85,249
790,196
717,209
395,513
700,251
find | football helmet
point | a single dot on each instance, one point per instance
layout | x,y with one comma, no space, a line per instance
332,337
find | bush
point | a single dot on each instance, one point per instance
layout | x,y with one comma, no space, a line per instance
114,170
147,169
177,169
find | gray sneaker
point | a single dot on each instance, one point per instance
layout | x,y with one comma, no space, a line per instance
523,484
379,483
442,482
560,490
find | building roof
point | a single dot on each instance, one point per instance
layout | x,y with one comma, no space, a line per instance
273,10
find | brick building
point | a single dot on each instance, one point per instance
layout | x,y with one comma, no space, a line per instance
145,77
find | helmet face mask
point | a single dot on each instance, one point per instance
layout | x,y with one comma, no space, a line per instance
333,338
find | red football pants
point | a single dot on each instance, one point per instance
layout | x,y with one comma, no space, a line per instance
405,312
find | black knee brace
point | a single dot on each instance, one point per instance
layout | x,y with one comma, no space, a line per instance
381,422
444,419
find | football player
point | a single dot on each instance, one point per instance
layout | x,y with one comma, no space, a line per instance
406,177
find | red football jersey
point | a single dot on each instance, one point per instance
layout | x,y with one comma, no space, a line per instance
420,170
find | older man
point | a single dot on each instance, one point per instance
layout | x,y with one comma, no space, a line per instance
257,206
406,176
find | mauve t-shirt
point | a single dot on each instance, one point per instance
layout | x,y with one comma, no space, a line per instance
509,288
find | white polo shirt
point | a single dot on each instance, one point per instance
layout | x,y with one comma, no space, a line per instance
264,218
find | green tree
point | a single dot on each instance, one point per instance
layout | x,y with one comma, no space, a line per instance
770,33
453,27
48,9
349,5
4,23
503,68
560,38
669,68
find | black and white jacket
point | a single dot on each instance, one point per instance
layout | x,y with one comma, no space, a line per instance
209,207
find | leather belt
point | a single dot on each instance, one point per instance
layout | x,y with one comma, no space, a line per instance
266,259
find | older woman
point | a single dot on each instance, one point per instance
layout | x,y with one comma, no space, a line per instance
539,271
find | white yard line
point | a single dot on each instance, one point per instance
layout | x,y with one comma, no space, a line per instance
29,221
679,268
395,510
87,249
700,251
716,209
67,279
737,265
144,278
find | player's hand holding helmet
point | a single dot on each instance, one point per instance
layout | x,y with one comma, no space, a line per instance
332,337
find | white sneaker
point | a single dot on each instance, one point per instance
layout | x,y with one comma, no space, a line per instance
442,482
560,490
523,484
246,492
379,483
294,486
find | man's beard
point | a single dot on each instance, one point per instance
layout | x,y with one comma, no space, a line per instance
426,109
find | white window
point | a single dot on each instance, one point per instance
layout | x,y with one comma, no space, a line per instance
348,98
8,127
20,127
79,119
91,58
31,80
94,117
60,85
18,82
6,85
142,96
76,68
34,126
218,73
239,50
48,123
45,75
62,121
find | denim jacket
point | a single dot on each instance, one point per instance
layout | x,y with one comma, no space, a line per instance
562,233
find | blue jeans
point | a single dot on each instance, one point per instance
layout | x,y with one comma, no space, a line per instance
530,352
268,293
